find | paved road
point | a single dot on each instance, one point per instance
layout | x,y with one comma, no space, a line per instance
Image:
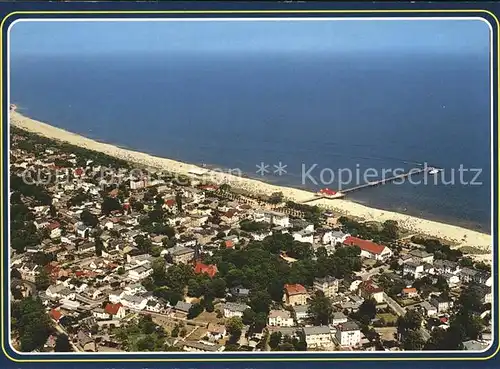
371,273
61,330
398,309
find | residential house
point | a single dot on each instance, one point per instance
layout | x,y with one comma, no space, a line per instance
200,346
181,255
295,294
154,306
100,313
82,230
338,317
54,229
348,334
301,313
304,235
134,302
369,249
413,268
328,285
86,342
240,291
277,219
368,290
116,311
210,270
232,309
409,292
280,318
182,307
216,331
446,266
334,237
140,272
54,290
422,256
318,336
441,303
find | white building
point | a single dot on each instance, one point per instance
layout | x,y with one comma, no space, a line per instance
141,272
369,249
277,219
232,309
348,334
134,302
318,336
280,318
304,235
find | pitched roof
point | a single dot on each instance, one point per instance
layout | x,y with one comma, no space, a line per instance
211,270
365,245
295,289
409,290
327,191
55,314
112,309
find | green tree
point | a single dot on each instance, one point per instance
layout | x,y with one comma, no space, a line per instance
62,344
320,309
89,219
31,323
194,311
274,340
178,201
413,341
368,308
42,280
234,327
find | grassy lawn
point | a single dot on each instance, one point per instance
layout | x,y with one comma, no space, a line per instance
388,317
208,318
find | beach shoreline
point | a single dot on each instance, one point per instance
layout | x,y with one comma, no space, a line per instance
456,235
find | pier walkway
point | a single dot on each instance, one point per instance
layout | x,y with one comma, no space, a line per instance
382,181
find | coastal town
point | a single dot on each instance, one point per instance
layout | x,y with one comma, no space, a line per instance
107,256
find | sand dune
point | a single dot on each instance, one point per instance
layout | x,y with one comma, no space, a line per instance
458,235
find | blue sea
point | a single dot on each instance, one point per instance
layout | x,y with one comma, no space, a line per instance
345,111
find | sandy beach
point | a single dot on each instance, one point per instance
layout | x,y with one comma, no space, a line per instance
454,234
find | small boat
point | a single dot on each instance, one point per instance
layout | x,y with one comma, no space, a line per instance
433,170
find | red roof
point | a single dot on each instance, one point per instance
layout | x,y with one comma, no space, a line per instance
230,213
211,269
209,187
112,309
327,191
55,314
368,287
368,246
170,202
229,244
295,289
410,290
53,225
79,171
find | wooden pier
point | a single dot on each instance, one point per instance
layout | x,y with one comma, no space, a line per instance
379,182
412,172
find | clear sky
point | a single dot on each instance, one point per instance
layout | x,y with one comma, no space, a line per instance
449,36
